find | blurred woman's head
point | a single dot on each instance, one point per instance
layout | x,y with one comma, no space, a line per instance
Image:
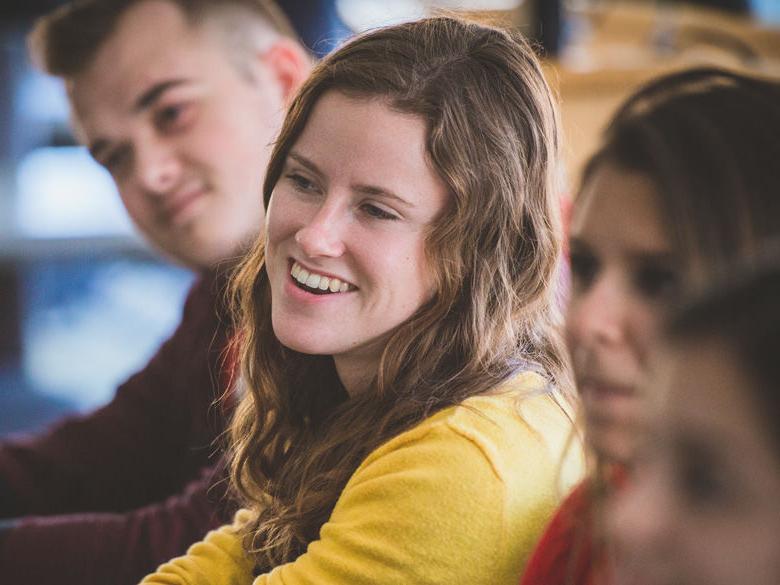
686,181
410,258
703,507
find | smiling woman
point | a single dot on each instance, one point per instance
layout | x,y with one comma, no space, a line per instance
406,404
355,202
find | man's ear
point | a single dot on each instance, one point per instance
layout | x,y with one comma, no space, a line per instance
289,63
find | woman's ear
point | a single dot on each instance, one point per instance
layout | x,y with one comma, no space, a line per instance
289,63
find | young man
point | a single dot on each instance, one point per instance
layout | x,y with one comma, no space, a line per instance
180,100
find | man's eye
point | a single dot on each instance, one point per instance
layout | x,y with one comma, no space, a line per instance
377,212
173,116
112,161
700,484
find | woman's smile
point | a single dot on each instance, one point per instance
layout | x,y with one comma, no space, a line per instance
347,225
319,283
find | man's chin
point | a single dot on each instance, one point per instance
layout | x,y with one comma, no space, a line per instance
196,247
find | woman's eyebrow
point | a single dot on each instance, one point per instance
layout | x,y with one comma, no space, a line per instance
365,189
382,192
305,162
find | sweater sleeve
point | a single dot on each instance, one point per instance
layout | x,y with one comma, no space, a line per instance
93,549
428,508
146,444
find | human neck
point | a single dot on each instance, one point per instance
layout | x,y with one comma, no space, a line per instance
356,372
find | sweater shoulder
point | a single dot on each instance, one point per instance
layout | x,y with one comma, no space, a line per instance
515,426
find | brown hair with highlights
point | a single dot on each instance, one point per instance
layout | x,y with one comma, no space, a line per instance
708,140
492,137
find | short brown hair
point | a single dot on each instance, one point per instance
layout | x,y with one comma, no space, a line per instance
65,41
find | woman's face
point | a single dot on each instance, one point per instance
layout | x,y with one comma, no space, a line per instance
703,509
623,278
346,230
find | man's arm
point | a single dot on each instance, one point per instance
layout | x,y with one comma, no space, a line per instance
145,445
87,549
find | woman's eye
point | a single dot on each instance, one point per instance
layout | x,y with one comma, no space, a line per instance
656,282
378,213
301,183
583,268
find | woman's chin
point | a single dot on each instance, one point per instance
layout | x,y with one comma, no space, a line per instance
612,443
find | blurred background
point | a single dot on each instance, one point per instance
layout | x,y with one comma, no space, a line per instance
83,302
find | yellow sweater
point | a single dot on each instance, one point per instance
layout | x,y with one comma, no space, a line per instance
460,498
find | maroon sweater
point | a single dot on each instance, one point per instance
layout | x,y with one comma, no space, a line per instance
107,497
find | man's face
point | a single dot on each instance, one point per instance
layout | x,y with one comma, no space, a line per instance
184,131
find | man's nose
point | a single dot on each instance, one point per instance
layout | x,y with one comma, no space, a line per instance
323,234
157,166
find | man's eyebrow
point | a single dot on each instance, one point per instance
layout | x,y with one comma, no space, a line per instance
144,101
365,189
152,94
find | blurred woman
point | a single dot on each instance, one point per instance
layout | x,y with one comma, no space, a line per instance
405,410
703,507
685,182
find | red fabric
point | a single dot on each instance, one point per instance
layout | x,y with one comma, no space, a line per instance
107,497
564,554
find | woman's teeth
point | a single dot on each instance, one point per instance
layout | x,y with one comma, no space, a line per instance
317,281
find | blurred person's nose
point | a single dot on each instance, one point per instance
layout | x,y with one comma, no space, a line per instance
599,315
157,166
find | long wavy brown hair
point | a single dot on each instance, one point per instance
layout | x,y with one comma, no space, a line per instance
492,136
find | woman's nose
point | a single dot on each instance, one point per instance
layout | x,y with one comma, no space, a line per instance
323,234
598,314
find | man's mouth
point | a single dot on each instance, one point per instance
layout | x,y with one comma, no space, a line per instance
318,284
175,207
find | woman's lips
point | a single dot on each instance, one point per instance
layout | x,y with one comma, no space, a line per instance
605,390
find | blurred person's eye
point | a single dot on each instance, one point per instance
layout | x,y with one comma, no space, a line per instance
584,267
114,160
656,281
174,116
699,476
